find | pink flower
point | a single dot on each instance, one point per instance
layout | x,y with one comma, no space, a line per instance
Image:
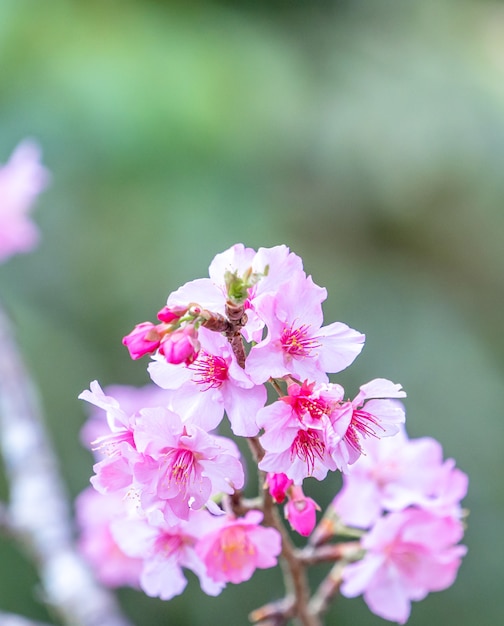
301,511
94,514
116,447
212,384
234,551
396,473
408,554
143,339
164,550
299,436
296,343
130,400
372,414
22,178
242,275
181,466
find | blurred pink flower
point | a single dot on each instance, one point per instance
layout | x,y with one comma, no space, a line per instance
22,178
234,551
95,514
408,554
396,473
165,549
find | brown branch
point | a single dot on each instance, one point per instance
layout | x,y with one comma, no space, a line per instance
38,507
328,589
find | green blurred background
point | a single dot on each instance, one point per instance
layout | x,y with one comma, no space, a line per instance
366,135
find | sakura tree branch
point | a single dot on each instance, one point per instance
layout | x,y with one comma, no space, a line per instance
328,589
38,511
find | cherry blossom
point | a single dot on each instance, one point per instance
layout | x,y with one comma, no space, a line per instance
256,323
396,473
22,179
182,466
94,514
164,550
374,413
408,554
212,384
296,343
238,547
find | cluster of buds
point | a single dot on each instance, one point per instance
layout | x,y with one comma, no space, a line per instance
255,322
175,337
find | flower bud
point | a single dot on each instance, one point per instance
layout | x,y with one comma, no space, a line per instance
278,485
181,346
300,511
170,314
143,339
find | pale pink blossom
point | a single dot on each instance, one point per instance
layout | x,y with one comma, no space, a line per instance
94,515
130,400
164,550
213,384
396,473
374,413
238,547
22,179
296,343
116,447
408,554
182,466
244,275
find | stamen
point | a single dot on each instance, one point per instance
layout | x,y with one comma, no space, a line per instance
235,548
182,467
308,446
297,342
362,424
210,371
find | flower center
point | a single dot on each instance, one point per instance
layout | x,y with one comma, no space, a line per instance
362,424
297,342
308,447
236,548
210,371
182,467
168,544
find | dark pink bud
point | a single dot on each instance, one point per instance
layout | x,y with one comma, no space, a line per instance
181,346
278,485
143,339
300,511
169,315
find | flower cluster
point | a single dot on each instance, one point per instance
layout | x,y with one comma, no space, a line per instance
22,178
408,500
220,342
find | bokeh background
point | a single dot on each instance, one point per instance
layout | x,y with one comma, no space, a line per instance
366,135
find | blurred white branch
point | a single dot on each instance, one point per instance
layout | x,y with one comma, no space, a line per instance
38,511
7,619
